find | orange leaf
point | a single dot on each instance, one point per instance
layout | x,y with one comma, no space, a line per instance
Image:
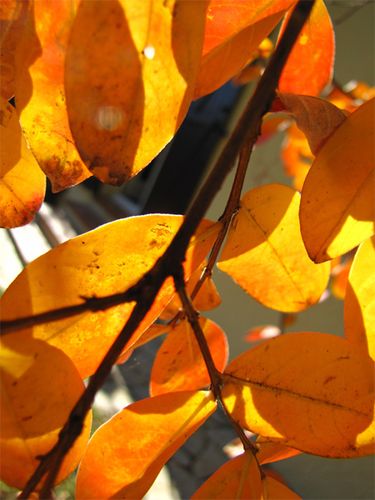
262,333
296,156
126,454
179,364
299,390
317,118
106,260
264,251
309,67
270,452
152,46
359,305
339,278
22,183
40,95
276,490
233,32
338,204
239,478
39,386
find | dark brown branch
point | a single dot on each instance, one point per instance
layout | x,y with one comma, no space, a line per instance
169,264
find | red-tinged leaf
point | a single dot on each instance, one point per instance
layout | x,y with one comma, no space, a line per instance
309,67
239,478
338,204
272,124
179,364
359,305
339,279
234,30
39,386
126,454
155,48
265,255
317,118
299,390
274,489
22,183
262,333
40,94
101,262
270,452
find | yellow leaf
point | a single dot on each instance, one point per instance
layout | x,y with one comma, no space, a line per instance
126,454
310,391
276,490
359,305
239,478
338,204
101,262
264,252
179,364
39,386
22,183
135,63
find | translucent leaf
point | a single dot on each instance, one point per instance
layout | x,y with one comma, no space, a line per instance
239,478
39,386
359,305
338,204
40,95
264,251
233,32
106,260
179,364
309,67
296,156
126,454
310,391
339,278
22,183
276,490
155,48
270,452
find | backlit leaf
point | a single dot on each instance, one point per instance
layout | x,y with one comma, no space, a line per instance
339,278
270,452
136,64
179,364
338,204
41,100
234,29
359,305
22,183
39,386
126,454
309,67
276,490
310,391
239,478
106,260
264,251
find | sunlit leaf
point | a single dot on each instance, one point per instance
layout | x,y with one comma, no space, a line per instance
270,452
339,278
106,260
179,364
264,252
338,203
40,95
136,64
296,156
276,490
234,29
22,183
359,306
126,454
239,478
310,391
309,67
39,386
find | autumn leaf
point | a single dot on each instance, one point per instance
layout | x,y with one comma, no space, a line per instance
300,390
338,205
309,67
179,364
154,47
239,478
265,255
276,490
39,386
104,261
234,29
359,305
126,453
339,278
296,156
22,183
270,451
262,332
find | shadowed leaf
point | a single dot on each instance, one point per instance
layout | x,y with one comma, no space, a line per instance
273,489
